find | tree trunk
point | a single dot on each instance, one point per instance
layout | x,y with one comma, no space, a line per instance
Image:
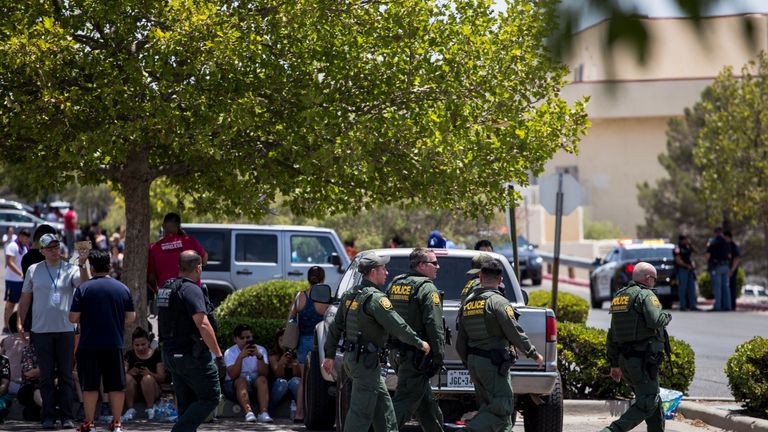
135,181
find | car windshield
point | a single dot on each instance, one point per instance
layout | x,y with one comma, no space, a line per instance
451,277
647,253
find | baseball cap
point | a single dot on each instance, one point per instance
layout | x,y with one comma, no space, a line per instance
47,240
370,260
477,262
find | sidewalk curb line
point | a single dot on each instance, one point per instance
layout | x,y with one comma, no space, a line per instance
722,419
612,407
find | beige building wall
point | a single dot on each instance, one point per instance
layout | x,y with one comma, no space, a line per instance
631,102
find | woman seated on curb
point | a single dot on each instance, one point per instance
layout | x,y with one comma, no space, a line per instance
285,373
143,369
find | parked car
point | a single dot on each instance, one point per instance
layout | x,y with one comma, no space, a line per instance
538,392
615,270
243,255
15,205
19,219
754,293
531,263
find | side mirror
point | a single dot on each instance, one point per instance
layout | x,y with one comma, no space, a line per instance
335,259
525,296
320,293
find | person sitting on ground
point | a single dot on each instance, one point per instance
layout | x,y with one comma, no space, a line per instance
5,381
309,314
247,371
144,373
286,373
29,393
13,348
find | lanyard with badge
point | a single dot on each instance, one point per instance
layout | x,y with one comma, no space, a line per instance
55,294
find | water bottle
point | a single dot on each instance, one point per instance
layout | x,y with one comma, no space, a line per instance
293,410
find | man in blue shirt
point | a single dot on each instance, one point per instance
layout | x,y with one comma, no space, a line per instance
102,306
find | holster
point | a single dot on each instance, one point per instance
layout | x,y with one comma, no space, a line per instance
199,348
651,363
503,359
371,355
425,363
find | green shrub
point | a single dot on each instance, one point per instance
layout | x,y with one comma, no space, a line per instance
746,372
263,306
584,368
570,307
705,283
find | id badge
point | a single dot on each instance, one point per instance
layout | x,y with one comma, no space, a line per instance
55,298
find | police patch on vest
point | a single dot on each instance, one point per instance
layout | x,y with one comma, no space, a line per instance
473,307
655,302
620,304
163,297
400,292
352,304
385,303
435,298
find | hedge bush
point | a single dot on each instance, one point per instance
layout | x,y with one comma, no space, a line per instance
705,283
570,307
263,306
747,377
584,368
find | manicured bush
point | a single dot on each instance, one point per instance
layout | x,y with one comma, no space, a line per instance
263,306
584,368
570,307
747,377
705,283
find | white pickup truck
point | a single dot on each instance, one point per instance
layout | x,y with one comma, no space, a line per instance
537,391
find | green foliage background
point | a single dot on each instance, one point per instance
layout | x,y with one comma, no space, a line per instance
747,377
570,308
584,368
705,283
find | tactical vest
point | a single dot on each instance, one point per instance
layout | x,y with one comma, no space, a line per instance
402,292
355,316
627,318
171,310
480,323
470,286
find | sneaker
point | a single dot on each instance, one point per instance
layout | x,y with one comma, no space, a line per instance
49,424
250,417
130,413
67,424
150,413
86,427
264,418
116,426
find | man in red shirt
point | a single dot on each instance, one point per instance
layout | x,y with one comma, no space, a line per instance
70,227
164,253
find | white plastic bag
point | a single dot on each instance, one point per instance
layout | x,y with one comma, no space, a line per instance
670,399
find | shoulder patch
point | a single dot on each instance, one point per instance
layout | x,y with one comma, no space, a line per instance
436,298
510,311
385,303
655,302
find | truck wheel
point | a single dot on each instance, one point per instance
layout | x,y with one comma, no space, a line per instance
318,404
548,416
596,304
536,281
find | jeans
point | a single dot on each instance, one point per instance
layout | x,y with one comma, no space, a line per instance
686,288
280,388
196,383
55,356
720,288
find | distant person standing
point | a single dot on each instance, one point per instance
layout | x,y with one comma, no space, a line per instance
102,306
164,254
33,255
14,276
685,269
484,245
735,259
70,228
718,258
350,249
436,240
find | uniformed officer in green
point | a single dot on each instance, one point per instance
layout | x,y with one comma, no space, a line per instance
487,327
366,318
635,346
474,272
415,297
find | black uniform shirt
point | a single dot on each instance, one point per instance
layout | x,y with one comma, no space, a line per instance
718,250
685,254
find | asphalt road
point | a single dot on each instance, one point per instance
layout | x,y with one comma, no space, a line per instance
713,336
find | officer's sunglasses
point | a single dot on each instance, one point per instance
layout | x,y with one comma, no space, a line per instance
434,263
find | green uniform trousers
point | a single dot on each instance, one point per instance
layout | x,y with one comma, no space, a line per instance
414,395
647,405
495,398
370,404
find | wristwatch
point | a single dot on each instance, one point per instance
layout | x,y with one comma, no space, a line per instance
82,266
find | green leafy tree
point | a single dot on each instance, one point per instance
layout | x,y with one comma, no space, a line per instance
732,147
333,106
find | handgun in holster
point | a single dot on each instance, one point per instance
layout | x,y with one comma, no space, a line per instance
359,347
371,355
502,359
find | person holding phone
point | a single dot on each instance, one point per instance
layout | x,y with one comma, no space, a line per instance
144,373
286,373
247,370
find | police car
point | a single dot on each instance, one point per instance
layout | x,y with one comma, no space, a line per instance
615,270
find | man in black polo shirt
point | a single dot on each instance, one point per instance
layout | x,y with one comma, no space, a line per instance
187,334
718,257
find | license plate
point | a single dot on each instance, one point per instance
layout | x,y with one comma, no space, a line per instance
459,379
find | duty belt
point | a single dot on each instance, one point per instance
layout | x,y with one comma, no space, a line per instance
479,352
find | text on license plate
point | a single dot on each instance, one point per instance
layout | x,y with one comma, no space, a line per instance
459,379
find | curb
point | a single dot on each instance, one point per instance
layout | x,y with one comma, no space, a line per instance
727,419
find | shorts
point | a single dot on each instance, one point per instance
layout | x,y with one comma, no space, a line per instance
229,390
101,365
305,346
13,291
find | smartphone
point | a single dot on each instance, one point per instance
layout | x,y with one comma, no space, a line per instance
83,247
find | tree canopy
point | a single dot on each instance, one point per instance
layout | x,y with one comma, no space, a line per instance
333,106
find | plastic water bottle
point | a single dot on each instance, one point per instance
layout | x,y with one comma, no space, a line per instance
293,410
